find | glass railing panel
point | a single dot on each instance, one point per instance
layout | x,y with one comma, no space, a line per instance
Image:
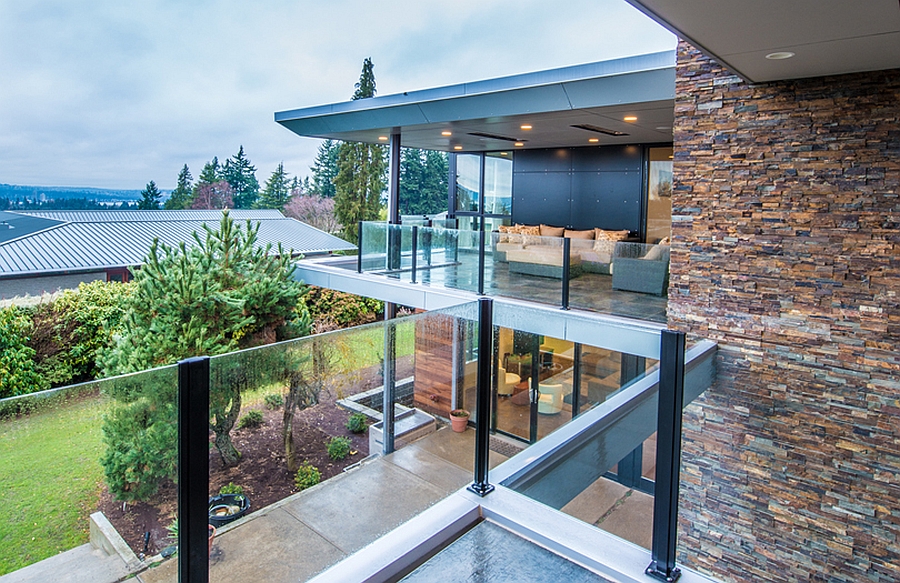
373,247
308,398
624,279
65,454
528,267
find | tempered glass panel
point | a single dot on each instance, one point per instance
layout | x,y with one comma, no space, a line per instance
659,195
373,249
468,171
498,172
525,266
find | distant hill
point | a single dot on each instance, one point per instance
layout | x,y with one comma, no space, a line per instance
15,192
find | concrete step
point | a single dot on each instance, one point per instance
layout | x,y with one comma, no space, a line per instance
83,564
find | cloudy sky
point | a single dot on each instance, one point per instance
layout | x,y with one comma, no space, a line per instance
112,94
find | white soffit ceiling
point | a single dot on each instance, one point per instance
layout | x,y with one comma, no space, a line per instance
827,37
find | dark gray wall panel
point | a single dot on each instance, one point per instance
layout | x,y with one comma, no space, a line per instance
556,160
541,197
607,159
608,200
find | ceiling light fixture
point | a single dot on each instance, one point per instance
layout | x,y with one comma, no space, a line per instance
526,127
779,56
630,118
504,154
593,140
457,147
519,144
446,133
383,138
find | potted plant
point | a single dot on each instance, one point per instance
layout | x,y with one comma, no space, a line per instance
459,420
226,508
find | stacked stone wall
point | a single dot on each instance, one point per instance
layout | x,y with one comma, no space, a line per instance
786,251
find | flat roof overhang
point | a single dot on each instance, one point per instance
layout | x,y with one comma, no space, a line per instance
827,37
488,115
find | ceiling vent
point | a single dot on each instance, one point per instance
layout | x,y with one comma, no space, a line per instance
495,137
599,130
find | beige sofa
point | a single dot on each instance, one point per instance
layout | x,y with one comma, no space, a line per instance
538,250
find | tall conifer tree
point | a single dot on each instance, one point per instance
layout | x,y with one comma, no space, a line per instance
182,195
241,175
361,171
325,168
150,197
277,191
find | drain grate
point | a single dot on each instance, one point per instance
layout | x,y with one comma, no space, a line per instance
505,447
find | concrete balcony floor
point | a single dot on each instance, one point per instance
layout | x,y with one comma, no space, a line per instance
302,535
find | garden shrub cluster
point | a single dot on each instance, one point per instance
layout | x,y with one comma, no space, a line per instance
338,448
251,420
18,373
330,309
307,476
357,423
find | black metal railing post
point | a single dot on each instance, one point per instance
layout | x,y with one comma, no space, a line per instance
415,250
576,380
483,397
566,266
481,258
390,378
535,392
359,253
668,457
193,470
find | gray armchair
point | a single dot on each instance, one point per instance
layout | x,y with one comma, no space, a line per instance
641,268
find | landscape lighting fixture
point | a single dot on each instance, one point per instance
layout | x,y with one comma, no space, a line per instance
630,118
779,56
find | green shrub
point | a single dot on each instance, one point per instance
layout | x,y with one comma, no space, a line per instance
332,309
307,476
251,420
274,400
18,374
357,423
338,448
71,330
231,488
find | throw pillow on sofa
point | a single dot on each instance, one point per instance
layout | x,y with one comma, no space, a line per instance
579,234
548,231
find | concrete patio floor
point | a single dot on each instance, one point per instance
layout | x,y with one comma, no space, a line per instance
298,537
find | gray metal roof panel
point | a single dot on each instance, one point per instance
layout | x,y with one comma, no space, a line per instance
14,225
104,244
153,215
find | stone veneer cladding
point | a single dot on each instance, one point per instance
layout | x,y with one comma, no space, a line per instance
786,251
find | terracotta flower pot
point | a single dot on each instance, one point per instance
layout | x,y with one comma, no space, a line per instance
459,420
212,535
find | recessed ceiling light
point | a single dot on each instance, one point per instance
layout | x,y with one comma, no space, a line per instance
457,147
446,133
383,138
593,140
526,127
630,118
504,154
779,56
519,144
670,157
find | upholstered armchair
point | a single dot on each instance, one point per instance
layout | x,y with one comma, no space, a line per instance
641,268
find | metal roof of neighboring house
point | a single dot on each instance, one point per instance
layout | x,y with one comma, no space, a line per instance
97,240
490,115
15,225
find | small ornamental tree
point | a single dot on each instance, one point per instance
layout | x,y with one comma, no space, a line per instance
222,294
18,375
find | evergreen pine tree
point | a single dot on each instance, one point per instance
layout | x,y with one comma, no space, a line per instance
325,168
412,174
241,175
211,172
149,197
435,182
361,171
276,193
182,195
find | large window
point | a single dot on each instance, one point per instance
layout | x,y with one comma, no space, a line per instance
483,189
659,195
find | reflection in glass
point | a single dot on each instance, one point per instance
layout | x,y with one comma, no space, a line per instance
468,171
659,199
498,172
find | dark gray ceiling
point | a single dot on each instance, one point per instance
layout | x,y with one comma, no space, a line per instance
598,94
827,37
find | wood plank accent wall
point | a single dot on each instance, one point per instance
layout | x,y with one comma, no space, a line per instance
786,251
434,364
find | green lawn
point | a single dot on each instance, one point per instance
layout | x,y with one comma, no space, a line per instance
50,480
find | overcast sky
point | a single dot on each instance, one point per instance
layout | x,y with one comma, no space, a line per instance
113,94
